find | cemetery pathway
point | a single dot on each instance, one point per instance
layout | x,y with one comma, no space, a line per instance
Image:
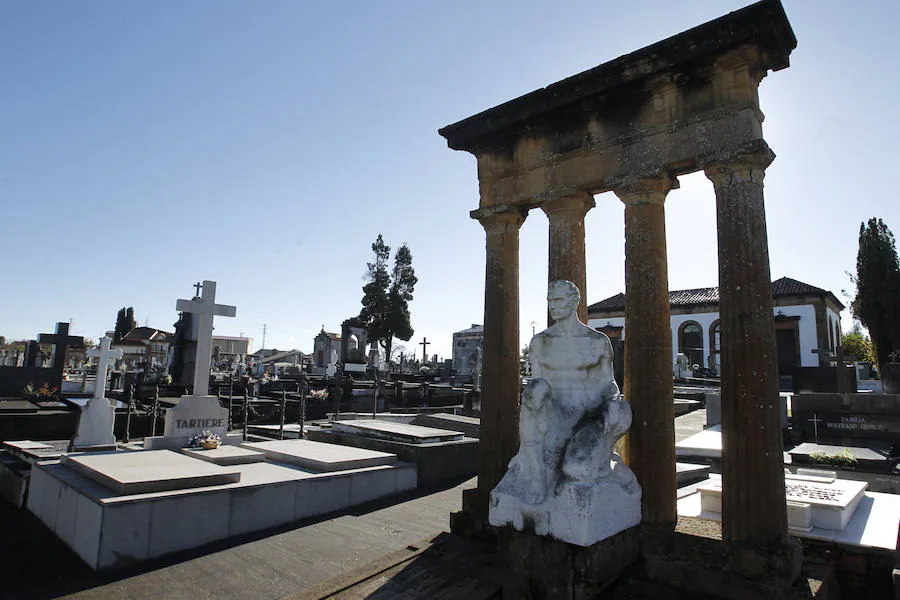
264,566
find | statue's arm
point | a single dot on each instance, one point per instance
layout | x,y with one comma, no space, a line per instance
535,350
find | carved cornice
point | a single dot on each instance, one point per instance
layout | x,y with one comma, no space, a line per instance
746,168
573,206
500,219
646,190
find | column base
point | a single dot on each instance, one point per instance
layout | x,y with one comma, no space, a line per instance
472,520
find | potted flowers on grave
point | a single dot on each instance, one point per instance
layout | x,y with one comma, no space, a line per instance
206,440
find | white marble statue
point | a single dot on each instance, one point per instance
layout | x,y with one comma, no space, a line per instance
566,481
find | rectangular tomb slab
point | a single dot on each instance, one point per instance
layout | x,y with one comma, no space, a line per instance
225,455
398,432
148,471
319,456
811,501
30,451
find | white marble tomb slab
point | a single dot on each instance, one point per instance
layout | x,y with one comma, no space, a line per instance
831,504
30,451
225,455
319,456
128,473
398,432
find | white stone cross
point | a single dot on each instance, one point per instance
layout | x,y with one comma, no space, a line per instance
205,308
104,356
815,421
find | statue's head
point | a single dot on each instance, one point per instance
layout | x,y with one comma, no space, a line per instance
562,299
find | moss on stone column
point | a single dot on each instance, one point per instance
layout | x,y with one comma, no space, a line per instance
500,366
753,505
566,253
650,446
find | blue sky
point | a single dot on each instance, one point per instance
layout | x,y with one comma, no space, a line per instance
264,145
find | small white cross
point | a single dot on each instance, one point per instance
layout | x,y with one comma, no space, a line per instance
205,308
815,421
104,356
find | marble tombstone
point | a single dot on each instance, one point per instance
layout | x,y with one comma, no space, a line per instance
567,481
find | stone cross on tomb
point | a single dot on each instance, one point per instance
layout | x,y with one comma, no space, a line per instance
424,343
205,308
815,421
104,356
60,340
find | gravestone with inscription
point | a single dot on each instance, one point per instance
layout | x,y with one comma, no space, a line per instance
858,430
199,411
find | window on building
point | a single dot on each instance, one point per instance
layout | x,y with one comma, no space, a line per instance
690,342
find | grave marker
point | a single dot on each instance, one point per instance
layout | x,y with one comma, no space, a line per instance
95,425
199,411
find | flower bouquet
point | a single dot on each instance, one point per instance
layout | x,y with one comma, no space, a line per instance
318,394
205,439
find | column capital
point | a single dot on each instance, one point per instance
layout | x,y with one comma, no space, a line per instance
745,168
500,219
576,203
646,190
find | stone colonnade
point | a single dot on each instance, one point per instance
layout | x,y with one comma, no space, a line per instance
753,502
631,126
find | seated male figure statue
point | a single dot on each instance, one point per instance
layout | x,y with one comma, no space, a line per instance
571,413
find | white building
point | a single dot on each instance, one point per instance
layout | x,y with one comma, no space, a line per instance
807,324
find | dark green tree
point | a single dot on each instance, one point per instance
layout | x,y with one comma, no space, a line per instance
124,323
858,344
386,296
877,301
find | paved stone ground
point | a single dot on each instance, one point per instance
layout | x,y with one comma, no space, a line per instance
270,565
689,424
267,565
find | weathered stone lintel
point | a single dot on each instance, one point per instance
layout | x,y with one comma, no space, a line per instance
679,148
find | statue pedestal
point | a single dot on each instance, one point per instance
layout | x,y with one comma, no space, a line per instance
576,513
542,568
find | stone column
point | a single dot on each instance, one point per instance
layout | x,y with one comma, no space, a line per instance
566,256
650,445
500,356
753,505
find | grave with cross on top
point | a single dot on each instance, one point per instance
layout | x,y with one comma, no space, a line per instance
198,412
97,419
205,308
104,356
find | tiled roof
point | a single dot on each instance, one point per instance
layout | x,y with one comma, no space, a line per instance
695,297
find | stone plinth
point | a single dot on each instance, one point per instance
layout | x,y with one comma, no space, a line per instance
577,513
542,568
128,473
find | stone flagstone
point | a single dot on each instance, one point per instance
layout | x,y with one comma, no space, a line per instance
128,473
